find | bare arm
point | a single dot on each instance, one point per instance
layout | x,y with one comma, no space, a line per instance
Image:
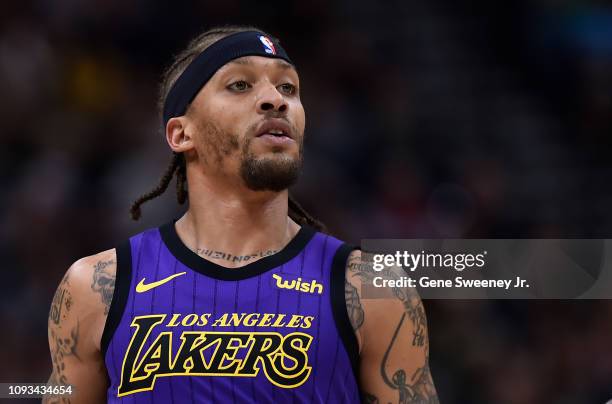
76,321
391,328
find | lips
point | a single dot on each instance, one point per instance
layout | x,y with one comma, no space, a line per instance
275,127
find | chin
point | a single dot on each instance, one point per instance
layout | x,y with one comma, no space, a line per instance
278,161
270,172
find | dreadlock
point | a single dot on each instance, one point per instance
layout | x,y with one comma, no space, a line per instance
177,164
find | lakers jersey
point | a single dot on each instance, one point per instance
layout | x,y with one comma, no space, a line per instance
182,329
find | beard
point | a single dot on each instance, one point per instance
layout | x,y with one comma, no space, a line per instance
269,174
275,173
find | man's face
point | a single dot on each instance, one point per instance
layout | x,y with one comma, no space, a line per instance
248,122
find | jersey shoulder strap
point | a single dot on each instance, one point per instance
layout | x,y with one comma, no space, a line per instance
338,304
121,291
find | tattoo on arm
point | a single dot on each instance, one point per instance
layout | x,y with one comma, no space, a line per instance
55,399
353,305
415,311
62,302
408,296
62,347
104,282
419,387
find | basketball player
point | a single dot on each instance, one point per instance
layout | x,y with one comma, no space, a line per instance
244,298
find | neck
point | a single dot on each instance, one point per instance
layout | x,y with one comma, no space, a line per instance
235,220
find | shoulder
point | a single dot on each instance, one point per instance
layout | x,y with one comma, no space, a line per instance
93,277
85,293
91,263
370,307
93,273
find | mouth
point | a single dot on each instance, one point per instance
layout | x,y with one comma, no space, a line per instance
275,128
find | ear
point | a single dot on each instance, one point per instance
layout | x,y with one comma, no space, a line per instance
179,139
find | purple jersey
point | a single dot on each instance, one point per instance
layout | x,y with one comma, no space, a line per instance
183,329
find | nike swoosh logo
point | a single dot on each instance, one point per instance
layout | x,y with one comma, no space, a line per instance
141,287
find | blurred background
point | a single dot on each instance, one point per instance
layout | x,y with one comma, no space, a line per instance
425,118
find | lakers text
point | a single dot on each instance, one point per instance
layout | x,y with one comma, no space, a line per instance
216,353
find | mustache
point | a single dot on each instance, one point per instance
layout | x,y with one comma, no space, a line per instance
275,114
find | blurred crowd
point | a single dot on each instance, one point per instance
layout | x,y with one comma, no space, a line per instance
425,118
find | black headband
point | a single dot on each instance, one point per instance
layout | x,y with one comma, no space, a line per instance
202,68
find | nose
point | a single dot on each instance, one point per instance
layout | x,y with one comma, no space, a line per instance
271,100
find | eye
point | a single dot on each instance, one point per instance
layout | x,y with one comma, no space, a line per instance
239,86
288,88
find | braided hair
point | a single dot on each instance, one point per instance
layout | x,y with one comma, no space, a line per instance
177,166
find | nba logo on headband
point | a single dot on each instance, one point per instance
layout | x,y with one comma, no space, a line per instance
268,45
